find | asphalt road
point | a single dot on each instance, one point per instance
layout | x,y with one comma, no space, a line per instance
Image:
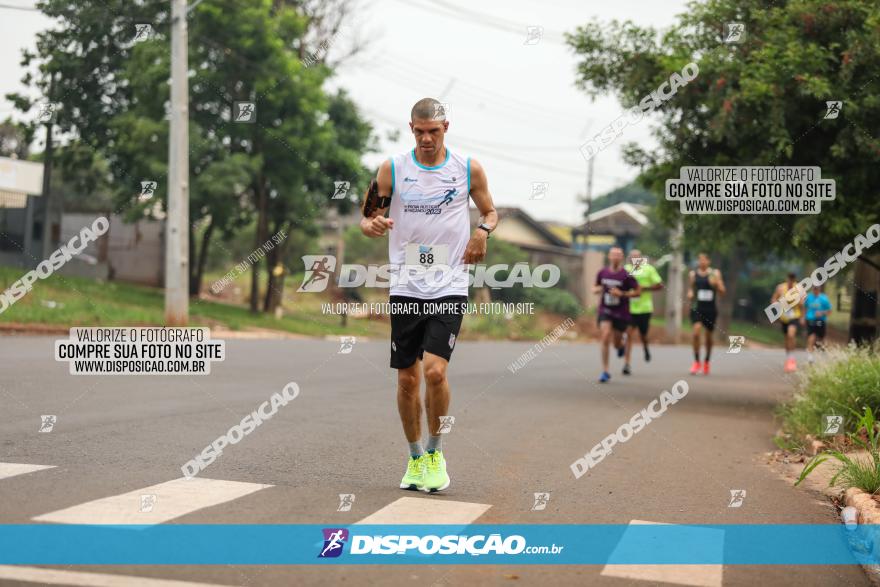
515,434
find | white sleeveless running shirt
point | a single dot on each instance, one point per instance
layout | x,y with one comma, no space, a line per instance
429,206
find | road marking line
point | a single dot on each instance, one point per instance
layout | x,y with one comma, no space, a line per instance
696,575
79,578
172,499
13,469
426,510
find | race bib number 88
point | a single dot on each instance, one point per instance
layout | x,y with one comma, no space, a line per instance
426,255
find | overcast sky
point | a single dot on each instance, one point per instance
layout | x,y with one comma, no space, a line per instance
513,106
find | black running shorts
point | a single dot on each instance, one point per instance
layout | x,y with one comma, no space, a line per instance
641,321
617,324
784,326
424,325
705,316
816,327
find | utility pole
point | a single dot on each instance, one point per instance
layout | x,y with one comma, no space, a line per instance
52,210
588,294
674,288
177,221
589,198
340,259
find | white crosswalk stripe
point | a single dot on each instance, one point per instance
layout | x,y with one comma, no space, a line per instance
165,502
79,578
426,510
696,575
13,469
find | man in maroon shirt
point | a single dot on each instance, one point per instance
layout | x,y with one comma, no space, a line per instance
616,287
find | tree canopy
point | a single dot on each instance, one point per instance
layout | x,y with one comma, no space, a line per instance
759,102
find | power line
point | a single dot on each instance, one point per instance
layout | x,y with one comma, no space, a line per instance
520,161
499,102
474,144
455,11
497,97
512,113
488,151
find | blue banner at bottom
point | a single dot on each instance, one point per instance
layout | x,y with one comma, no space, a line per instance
499,544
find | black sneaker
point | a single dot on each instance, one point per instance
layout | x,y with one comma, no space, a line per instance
647,355
626,370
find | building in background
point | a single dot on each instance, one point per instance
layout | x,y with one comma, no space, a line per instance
22,212
618,225
131,252
544,245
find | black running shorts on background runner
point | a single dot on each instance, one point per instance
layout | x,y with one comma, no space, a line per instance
784,326
617,324
424,325
706,316
641,321
816,327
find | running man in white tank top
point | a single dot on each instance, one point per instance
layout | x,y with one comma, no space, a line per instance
430,245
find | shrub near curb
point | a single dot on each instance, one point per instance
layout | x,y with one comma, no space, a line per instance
846,381
852,471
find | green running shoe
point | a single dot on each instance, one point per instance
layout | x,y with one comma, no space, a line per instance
436,478
415,474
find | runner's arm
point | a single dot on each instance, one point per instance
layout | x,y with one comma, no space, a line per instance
597,287
719,282
376,225
479,190
658,281
632,293
826,307
635,290
691,280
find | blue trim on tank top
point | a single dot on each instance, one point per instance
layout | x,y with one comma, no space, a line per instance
416,161
392,174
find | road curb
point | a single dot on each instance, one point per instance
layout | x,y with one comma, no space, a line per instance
32,329
868,513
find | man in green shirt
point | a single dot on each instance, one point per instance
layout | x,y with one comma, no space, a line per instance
641,307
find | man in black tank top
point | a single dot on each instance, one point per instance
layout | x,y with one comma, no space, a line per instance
706,284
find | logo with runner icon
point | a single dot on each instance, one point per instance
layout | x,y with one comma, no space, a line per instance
448,196
319,268
736,344
334,541
833,424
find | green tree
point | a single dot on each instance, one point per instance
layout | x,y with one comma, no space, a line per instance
111,94
15,139
761,102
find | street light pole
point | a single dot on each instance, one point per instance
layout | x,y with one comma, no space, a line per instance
675,292
589,200
177,221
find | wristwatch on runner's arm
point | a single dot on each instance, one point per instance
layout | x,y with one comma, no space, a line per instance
485,227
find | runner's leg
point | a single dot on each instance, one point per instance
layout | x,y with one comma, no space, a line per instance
709,341
697,327
605,334
629,342
436,390
409,402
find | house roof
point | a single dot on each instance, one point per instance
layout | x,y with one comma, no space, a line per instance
514,212
623,218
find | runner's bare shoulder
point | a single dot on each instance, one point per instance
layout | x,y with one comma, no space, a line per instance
384,178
